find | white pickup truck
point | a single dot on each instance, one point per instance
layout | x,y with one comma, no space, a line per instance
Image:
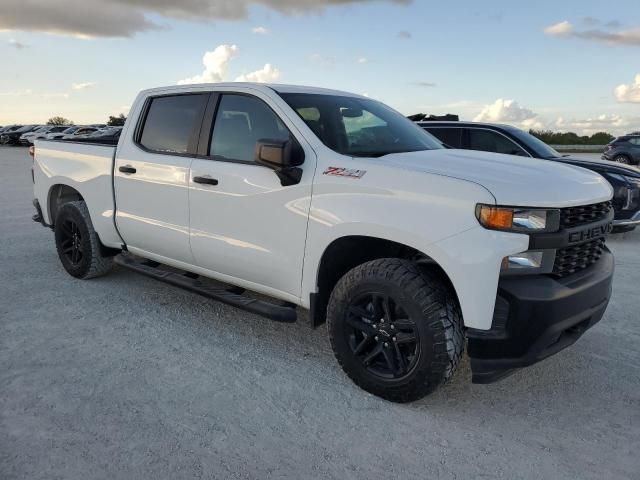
336,203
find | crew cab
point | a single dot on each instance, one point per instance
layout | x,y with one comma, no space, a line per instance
492,137
331,202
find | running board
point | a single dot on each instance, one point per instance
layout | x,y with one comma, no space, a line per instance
231,295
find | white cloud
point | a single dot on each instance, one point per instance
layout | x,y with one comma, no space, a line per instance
612,123
260,30
322,60
266,74
30,93
606,33
504,111
20,93
16,44
628,93
83,86
363,60
215,65
124,18
559,29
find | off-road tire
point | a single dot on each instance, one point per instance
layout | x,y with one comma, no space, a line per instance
433,308
92,262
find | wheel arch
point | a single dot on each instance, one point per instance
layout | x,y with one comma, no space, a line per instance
58,195
349,251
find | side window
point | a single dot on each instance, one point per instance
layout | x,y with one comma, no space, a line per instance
635,141
449,136
240,122
488,141
170,122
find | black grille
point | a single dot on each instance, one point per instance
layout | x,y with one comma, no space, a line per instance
577,257
572,259
576,216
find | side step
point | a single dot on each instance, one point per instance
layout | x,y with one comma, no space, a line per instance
231,295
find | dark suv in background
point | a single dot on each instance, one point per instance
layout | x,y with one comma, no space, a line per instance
624,149
496,138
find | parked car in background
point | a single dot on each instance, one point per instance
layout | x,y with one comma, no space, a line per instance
80,132
9,128
25,139
13,137
58,135
40,135
624,149
108,135
513,141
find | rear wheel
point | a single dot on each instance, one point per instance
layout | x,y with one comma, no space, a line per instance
77,242
622,159
395,330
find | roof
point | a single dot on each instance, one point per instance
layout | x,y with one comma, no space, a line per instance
280,88
463,123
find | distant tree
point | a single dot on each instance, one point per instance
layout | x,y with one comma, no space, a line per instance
116,121
571,138
601,138
59,121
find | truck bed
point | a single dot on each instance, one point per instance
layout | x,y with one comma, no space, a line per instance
84,167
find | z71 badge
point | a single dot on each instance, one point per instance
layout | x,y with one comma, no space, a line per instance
344,172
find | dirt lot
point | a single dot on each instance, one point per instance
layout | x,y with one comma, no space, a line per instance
124,377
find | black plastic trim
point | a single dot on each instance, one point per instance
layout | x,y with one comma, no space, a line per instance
538,317
277,312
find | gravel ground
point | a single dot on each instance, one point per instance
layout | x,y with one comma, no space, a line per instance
125,377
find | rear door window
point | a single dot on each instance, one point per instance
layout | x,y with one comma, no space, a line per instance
490,141
172,123
449,136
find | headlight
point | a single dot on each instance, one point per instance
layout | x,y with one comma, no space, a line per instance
516,219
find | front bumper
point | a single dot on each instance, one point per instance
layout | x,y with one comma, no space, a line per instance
536,317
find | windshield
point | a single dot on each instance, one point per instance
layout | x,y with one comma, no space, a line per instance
359,127
541,149
26,128
70,130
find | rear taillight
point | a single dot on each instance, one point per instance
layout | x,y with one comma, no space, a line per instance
32,151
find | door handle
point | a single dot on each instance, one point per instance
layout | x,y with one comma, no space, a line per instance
205,180
127,169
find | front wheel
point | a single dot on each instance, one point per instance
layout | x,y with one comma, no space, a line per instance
78,244
396,330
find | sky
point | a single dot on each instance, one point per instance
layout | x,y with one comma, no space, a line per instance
566,66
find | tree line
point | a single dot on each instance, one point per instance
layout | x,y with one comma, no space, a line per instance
114,121
570,138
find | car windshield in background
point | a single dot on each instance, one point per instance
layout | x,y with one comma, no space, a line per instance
70,130
359,127
542,149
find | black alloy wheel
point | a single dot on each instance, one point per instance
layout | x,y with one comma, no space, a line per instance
382,335
71,241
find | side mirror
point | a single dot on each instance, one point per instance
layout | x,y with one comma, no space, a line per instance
282,156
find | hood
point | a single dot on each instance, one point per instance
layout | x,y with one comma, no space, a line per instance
512,180
601,165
